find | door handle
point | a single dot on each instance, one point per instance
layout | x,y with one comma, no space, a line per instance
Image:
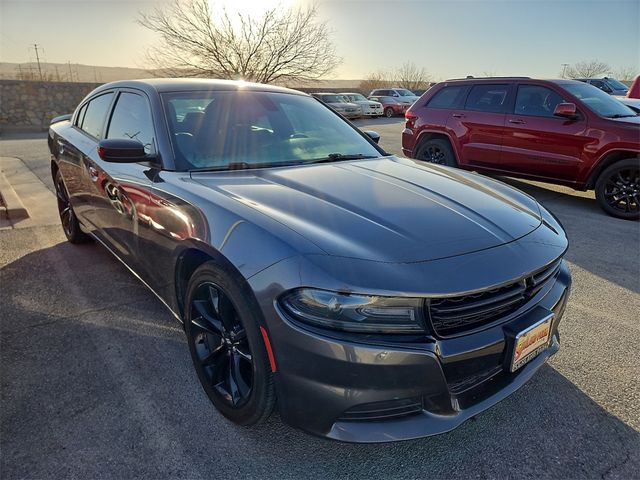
517,121
458,115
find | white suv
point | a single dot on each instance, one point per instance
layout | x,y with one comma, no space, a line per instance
401,94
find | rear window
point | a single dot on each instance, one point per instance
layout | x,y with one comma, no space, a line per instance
96,114
488,98
448,97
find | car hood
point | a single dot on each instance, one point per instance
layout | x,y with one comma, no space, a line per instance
367,102
629,121
387,209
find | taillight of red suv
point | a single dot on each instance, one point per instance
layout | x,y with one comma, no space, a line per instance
411,118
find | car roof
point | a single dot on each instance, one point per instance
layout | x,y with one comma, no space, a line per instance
163,85
558,81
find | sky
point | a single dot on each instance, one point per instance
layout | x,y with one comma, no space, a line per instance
448,38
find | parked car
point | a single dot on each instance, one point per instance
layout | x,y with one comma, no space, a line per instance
560,131
369,107
391,106
376,298
401,94
632,103
340,104
608,85
634,90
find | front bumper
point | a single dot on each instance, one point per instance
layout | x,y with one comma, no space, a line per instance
358,389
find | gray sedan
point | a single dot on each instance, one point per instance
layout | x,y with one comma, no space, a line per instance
376,298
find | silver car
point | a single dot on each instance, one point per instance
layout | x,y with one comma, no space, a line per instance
369,107
340,104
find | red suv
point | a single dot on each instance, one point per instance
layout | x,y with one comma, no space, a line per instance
558,131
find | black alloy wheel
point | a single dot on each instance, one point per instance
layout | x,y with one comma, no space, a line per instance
223,329
220,342
436,151
618,190
70,224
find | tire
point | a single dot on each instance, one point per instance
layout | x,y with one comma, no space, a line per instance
68,219
388,112
226,346
618,189
437,151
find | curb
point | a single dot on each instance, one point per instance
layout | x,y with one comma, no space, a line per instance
13,208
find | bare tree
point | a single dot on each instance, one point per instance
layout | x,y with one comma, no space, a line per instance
377,79
203,41
411,77
627,74
587,69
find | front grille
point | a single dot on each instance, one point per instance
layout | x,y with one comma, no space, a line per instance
456,315
387,410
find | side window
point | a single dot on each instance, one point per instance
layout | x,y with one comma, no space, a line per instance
448,97
80,116
488,98
132,119
537,101
96,114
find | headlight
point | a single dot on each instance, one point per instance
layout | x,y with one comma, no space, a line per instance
354,313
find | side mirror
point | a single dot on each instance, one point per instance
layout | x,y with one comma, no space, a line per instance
566,110
375,136
122,150
395,95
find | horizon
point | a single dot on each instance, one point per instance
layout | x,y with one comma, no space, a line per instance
470,37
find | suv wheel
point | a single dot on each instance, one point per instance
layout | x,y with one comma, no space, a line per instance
388,112
618,189
437,151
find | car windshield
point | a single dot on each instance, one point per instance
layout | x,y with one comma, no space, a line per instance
356,97
600,102
333,99
616,85
405,93
231,130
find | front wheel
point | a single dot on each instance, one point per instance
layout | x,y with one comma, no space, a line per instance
437,151
226,346
618,189
388,112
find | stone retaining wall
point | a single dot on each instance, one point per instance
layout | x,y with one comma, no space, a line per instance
30,105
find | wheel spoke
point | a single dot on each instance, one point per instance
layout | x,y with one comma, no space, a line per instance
213,355
205,321
226,312
244,355
238,388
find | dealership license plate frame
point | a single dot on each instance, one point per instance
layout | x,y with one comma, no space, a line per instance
537,347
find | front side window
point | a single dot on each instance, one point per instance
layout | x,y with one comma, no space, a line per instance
536,101
259,129
96,115
131,119
488,98
448,97
598,101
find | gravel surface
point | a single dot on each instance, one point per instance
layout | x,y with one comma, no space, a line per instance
96,379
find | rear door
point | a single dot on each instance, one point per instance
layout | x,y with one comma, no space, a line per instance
479,125
537,142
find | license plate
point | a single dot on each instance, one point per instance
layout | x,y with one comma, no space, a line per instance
531,342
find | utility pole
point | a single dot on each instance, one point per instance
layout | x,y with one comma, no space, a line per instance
70,73
564,69
35,47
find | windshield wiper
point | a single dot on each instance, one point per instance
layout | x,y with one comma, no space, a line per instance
620,115
231,166
337,157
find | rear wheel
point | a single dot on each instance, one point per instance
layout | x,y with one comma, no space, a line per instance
70,224
618,189
388,112
437,151
226,346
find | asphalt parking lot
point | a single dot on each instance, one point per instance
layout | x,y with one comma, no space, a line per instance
97,382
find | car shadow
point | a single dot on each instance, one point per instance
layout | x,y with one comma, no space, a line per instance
604,245
97,381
